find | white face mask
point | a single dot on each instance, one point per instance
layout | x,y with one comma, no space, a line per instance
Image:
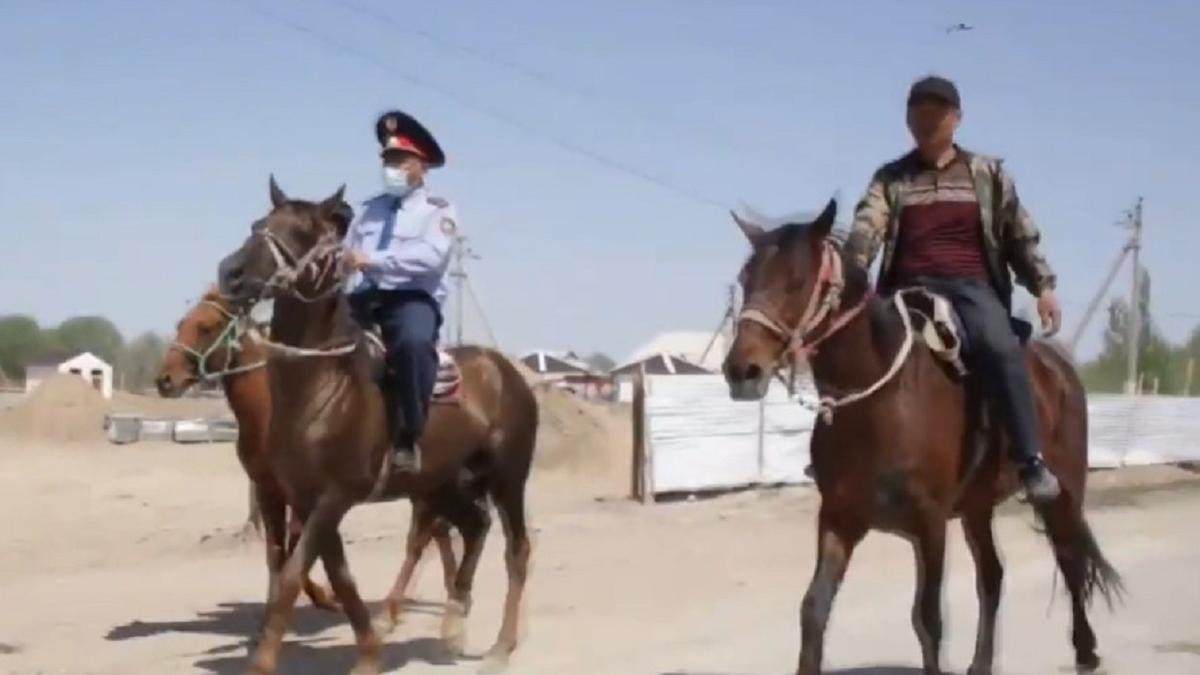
395,181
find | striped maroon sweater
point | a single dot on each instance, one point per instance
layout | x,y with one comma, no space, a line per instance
940,233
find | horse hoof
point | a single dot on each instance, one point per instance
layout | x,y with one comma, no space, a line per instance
454,629
1089,664
384,624
366,668
456,643
979,670
494,661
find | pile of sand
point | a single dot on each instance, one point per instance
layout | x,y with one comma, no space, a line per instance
63,409
585,440
67,409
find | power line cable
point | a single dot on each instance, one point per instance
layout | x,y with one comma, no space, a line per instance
448,93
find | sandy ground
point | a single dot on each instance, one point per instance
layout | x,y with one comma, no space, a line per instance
124,560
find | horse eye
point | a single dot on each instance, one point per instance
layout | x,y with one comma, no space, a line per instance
258,226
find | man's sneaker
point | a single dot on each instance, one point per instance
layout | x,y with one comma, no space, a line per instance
1040,485
406,458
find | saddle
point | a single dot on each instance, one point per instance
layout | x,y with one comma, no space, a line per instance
447,388
938,326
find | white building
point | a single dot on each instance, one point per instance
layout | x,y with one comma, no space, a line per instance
672,353
91,368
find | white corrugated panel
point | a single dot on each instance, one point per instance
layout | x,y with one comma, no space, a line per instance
701,439
698,438
1138,430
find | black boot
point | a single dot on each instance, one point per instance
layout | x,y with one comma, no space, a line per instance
1040,484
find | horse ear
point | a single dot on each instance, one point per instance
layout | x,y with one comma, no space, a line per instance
337,210
278,199
753,232
823,225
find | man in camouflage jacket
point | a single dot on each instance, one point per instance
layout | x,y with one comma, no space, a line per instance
950,220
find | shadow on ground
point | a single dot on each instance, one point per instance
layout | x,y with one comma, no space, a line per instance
241,619
309,657
304,652
868,670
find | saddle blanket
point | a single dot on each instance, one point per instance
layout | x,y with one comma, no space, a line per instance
447,388
937,325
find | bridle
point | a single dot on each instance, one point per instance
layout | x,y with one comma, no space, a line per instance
800,341
323,260
824,304
229,339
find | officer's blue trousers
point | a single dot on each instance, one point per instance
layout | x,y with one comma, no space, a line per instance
995,356
409,321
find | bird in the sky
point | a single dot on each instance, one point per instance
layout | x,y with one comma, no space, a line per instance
958,27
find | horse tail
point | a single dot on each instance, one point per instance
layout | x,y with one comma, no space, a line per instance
1088,572
1078,552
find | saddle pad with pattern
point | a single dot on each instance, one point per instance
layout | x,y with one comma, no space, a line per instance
937,325
447,388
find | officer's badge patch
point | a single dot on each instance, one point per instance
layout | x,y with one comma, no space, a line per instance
448,227
438,202
390,123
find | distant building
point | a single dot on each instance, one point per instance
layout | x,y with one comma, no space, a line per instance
674,353
700,348
91,368
567,371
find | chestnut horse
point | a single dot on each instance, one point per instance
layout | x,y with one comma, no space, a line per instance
211,343
329,440
899,445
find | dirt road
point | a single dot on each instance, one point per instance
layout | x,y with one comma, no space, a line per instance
122,560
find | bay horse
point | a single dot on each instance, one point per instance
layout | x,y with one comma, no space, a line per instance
213,344
328,437
899,445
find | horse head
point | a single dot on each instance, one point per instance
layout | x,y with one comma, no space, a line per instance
294,249
782,282
206,341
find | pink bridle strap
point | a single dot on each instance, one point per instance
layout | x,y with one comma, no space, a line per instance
824,300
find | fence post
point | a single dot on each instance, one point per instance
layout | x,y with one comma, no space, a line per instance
643,465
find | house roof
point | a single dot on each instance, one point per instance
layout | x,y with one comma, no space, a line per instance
662,364
53,359
549,362
689,346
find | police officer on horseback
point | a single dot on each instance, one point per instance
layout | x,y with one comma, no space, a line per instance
950,220
399,249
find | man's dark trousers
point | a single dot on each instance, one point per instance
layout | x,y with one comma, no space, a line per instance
409,321
995,356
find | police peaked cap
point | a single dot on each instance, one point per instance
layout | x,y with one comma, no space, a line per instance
398,131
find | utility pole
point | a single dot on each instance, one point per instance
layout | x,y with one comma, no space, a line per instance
1135,303
461,253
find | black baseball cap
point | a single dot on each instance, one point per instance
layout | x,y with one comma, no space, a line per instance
934,88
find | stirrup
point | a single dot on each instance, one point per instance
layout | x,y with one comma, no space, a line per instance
406,458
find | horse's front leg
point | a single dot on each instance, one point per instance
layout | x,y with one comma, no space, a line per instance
835,544
929,546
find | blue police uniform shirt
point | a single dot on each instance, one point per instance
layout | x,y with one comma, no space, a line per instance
408,242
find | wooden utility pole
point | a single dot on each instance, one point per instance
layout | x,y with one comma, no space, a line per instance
1135,303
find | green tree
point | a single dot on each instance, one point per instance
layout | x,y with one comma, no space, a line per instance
1158,360
140,361
20,341
94,334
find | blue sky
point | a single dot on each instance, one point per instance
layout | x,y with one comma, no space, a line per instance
593,147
